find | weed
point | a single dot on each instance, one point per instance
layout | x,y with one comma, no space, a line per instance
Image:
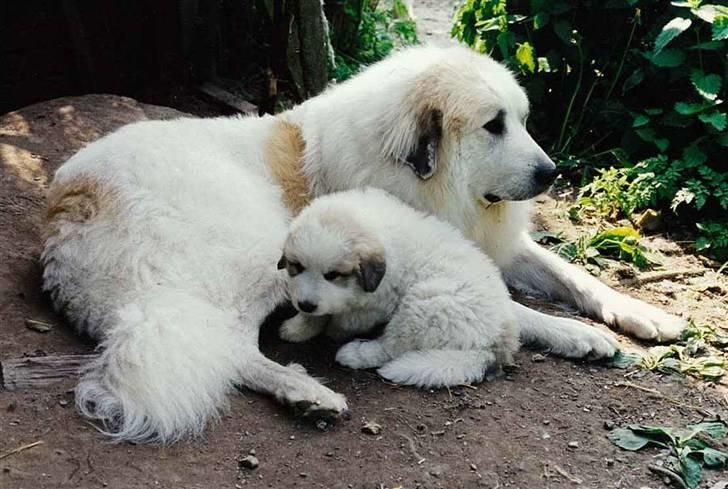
687,453
621,243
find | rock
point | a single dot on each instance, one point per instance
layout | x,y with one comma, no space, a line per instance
250,462
303,475
608,424
63,402
39,326
609,462
537,357
573,444
371,428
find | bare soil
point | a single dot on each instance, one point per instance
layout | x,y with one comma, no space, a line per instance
542,426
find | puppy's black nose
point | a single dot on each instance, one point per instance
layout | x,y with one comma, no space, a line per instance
307,306
545,174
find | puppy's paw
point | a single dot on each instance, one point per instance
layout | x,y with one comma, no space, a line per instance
298,329
362,354
644,320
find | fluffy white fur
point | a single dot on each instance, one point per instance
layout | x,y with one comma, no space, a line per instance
366,258
167,257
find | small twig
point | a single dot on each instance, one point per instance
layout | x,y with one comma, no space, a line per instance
658,276
20,449
668,473
566,475
662,396
413,449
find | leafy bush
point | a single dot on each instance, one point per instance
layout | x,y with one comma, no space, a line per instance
642,80
379,32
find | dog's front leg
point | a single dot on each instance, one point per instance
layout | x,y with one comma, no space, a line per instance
538,269
291,385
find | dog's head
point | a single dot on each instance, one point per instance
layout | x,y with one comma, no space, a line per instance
461,116
333,263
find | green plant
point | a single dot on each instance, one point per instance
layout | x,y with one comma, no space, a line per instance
620,82
621,243
379,32
687,453
616,192
681,360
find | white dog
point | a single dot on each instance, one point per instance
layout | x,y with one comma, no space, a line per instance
160,235
366,258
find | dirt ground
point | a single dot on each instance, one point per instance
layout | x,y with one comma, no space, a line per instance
542,426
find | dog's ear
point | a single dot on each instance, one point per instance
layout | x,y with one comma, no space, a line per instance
371,273
282,263
423,157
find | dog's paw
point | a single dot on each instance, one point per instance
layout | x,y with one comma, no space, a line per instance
361,354
644,320
298,329
325,405
594,344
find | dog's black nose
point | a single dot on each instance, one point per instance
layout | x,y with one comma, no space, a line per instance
307,306
545,174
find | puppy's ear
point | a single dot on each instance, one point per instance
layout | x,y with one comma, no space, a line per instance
371,273
423,156
282,263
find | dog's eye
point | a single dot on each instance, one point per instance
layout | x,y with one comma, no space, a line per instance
332,275
495,126
294,268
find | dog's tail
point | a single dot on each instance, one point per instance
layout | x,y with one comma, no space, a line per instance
168,361
441,368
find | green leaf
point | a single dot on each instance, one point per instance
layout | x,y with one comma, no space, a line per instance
691,470
670,31
633,80
686,108
623,360
640,120
627,439
708,86
668,58
715,119
706,12
693,156
525,56
563,29
720,27
540,20
716,429
713,457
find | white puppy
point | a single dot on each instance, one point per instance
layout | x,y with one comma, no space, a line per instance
367,258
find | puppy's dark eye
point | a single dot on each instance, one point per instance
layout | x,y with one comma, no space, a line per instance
332,275
294,268
495,126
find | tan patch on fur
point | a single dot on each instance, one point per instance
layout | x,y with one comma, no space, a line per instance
76,201
431,92
284,152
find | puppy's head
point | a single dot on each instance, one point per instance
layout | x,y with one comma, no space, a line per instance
333,263
462,116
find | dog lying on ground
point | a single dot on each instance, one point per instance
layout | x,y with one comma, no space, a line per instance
160,235
366,258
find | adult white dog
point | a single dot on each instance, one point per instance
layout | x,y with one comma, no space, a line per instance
163,236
